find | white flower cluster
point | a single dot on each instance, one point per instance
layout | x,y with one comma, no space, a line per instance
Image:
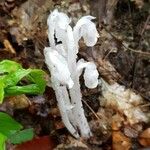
61,60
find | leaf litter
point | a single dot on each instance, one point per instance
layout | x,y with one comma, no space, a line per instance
121,102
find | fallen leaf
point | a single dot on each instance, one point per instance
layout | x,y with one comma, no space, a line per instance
40,143
120,141
19,101
144,138
9,47
132,131
123,100
116,122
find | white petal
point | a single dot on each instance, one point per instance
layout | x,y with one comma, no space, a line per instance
90,34
58,18
63,21
91,75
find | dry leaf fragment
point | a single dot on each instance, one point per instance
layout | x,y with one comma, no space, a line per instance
144,138
116,122
72,144
40,143
124,101
139,3
133,131
9,47
120,141
19,101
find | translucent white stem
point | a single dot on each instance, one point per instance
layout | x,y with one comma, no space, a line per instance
80,120
62,107
78,111
68,104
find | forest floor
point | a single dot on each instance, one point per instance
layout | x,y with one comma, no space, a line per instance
122,55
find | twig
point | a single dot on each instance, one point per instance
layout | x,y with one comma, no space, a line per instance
133,50
136,51
8,46
96,116
147,21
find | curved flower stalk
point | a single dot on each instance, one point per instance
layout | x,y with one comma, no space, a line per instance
86,28
61,60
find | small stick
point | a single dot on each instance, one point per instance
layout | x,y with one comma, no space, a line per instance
8,46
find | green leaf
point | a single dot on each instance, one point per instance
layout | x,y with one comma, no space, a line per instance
2,141
8,125
13,78
11,74
27,89
7,66
37,77
1,91
22,136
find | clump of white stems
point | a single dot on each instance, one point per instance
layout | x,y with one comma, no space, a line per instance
61,60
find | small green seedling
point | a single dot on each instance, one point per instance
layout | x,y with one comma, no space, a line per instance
15,80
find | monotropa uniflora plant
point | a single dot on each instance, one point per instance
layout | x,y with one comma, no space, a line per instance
65,70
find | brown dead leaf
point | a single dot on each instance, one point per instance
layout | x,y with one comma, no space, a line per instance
59,125
125,101
72,144
132,131
139,3
116,122
30,22
9,47
144,138
19,101
120,141
54,112
41,143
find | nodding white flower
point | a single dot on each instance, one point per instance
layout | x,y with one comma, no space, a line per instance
86,28
58,66
90,73
51,27
58,19
57,24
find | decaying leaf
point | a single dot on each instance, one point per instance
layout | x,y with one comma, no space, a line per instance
116,122
132,132
29,20
144,138
139,3
120,141
72,144
19,101
9,47
41,143
124,101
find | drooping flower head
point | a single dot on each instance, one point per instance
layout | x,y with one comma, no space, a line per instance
57,25
86,28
